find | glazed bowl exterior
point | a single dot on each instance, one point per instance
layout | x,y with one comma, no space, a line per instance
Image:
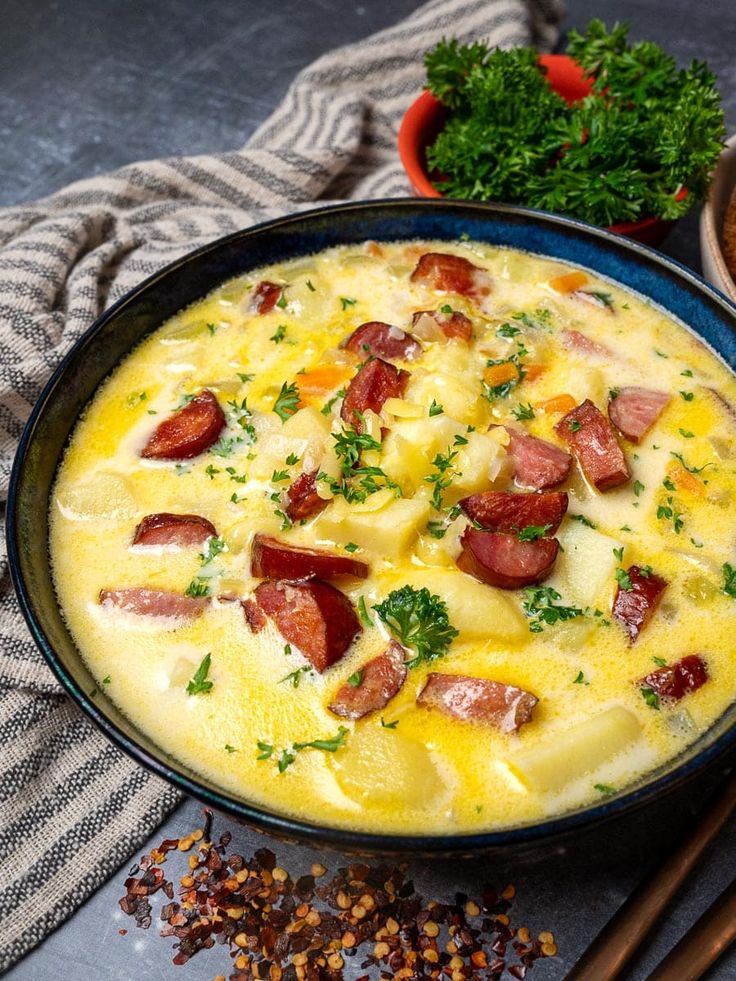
425,119
678,290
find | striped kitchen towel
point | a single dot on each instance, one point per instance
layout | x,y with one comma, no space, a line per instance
72,807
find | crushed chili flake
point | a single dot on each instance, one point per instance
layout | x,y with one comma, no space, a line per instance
285,928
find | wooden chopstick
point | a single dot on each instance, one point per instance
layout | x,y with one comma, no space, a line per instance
617,942
704,942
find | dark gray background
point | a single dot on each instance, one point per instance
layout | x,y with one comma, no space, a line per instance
87,85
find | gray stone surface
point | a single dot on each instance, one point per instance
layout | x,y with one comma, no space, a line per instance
90,85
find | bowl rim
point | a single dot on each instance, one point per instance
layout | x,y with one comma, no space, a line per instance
280,825
423,108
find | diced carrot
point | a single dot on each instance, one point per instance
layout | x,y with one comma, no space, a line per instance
558,403
497,374
533,371
569,282
686,481
374,249
319,382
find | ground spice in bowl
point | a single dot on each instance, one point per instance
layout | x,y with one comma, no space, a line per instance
363,918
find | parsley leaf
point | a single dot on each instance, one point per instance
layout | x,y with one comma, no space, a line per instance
356,678
522,411
532,532
539,605
435,409
418,619
346,302
287,401
279,334
624,580
650,697
199,685
729,580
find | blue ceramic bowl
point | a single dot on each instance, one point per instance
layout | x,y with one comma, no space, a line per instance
93,357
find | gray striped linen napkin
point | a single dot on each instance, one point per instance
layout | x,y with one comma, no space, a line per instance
72,807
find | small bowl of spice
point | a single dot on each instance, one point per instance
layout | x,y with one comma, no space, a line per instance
610,132
718,225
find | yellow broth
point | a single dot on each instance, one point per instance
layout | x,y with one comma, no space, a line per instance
428,773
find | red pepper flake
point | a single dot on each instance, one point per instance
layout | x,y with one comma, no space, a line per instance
282,927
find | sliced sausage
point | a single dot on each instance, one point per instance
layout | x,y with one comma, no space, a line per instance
254,615
153,602
505,562
508,512
274,559
575,341
635,410
302,499
174,529
376,381
313,616
594,443
633,608
265,296
189,432
377,683
454,325
451,273
537,463
478,700
674,681
384,340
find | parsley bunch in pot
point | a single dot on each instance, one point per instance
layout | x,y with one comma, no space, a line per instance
641,144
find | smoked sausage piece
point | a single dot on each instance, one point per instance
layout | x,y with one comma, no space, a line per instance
674,681
451,273
478,700
313,616
189,432
265,296
271,558
174,529
153,602
505,562
454,325
302,499
508,512
254,615
594,443
635,410
633,608
537,463
575,341
376,684
376,381
383,340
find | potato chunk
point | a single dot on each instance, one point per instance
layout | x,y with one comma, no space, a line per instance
478,611
388,532
384,767
565,756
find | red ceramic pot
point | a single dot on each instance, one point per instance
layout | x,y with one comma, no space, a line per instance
426,116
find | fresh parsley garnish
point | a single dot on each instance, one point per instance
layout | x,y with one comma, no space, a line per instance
291,460
435,409
295,677
351,547
347,301
729,580
624,580
355,679
532,532
389,725
638,487
648,126
287,401
605,789
442,477
419,620
214,547
522,412
540,606
279,334
327,407
688,396
508,330
199,684
198,587
650,697
679,457
583,520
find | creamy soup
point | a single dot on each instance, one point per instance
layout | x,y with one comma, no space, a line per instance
421,537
